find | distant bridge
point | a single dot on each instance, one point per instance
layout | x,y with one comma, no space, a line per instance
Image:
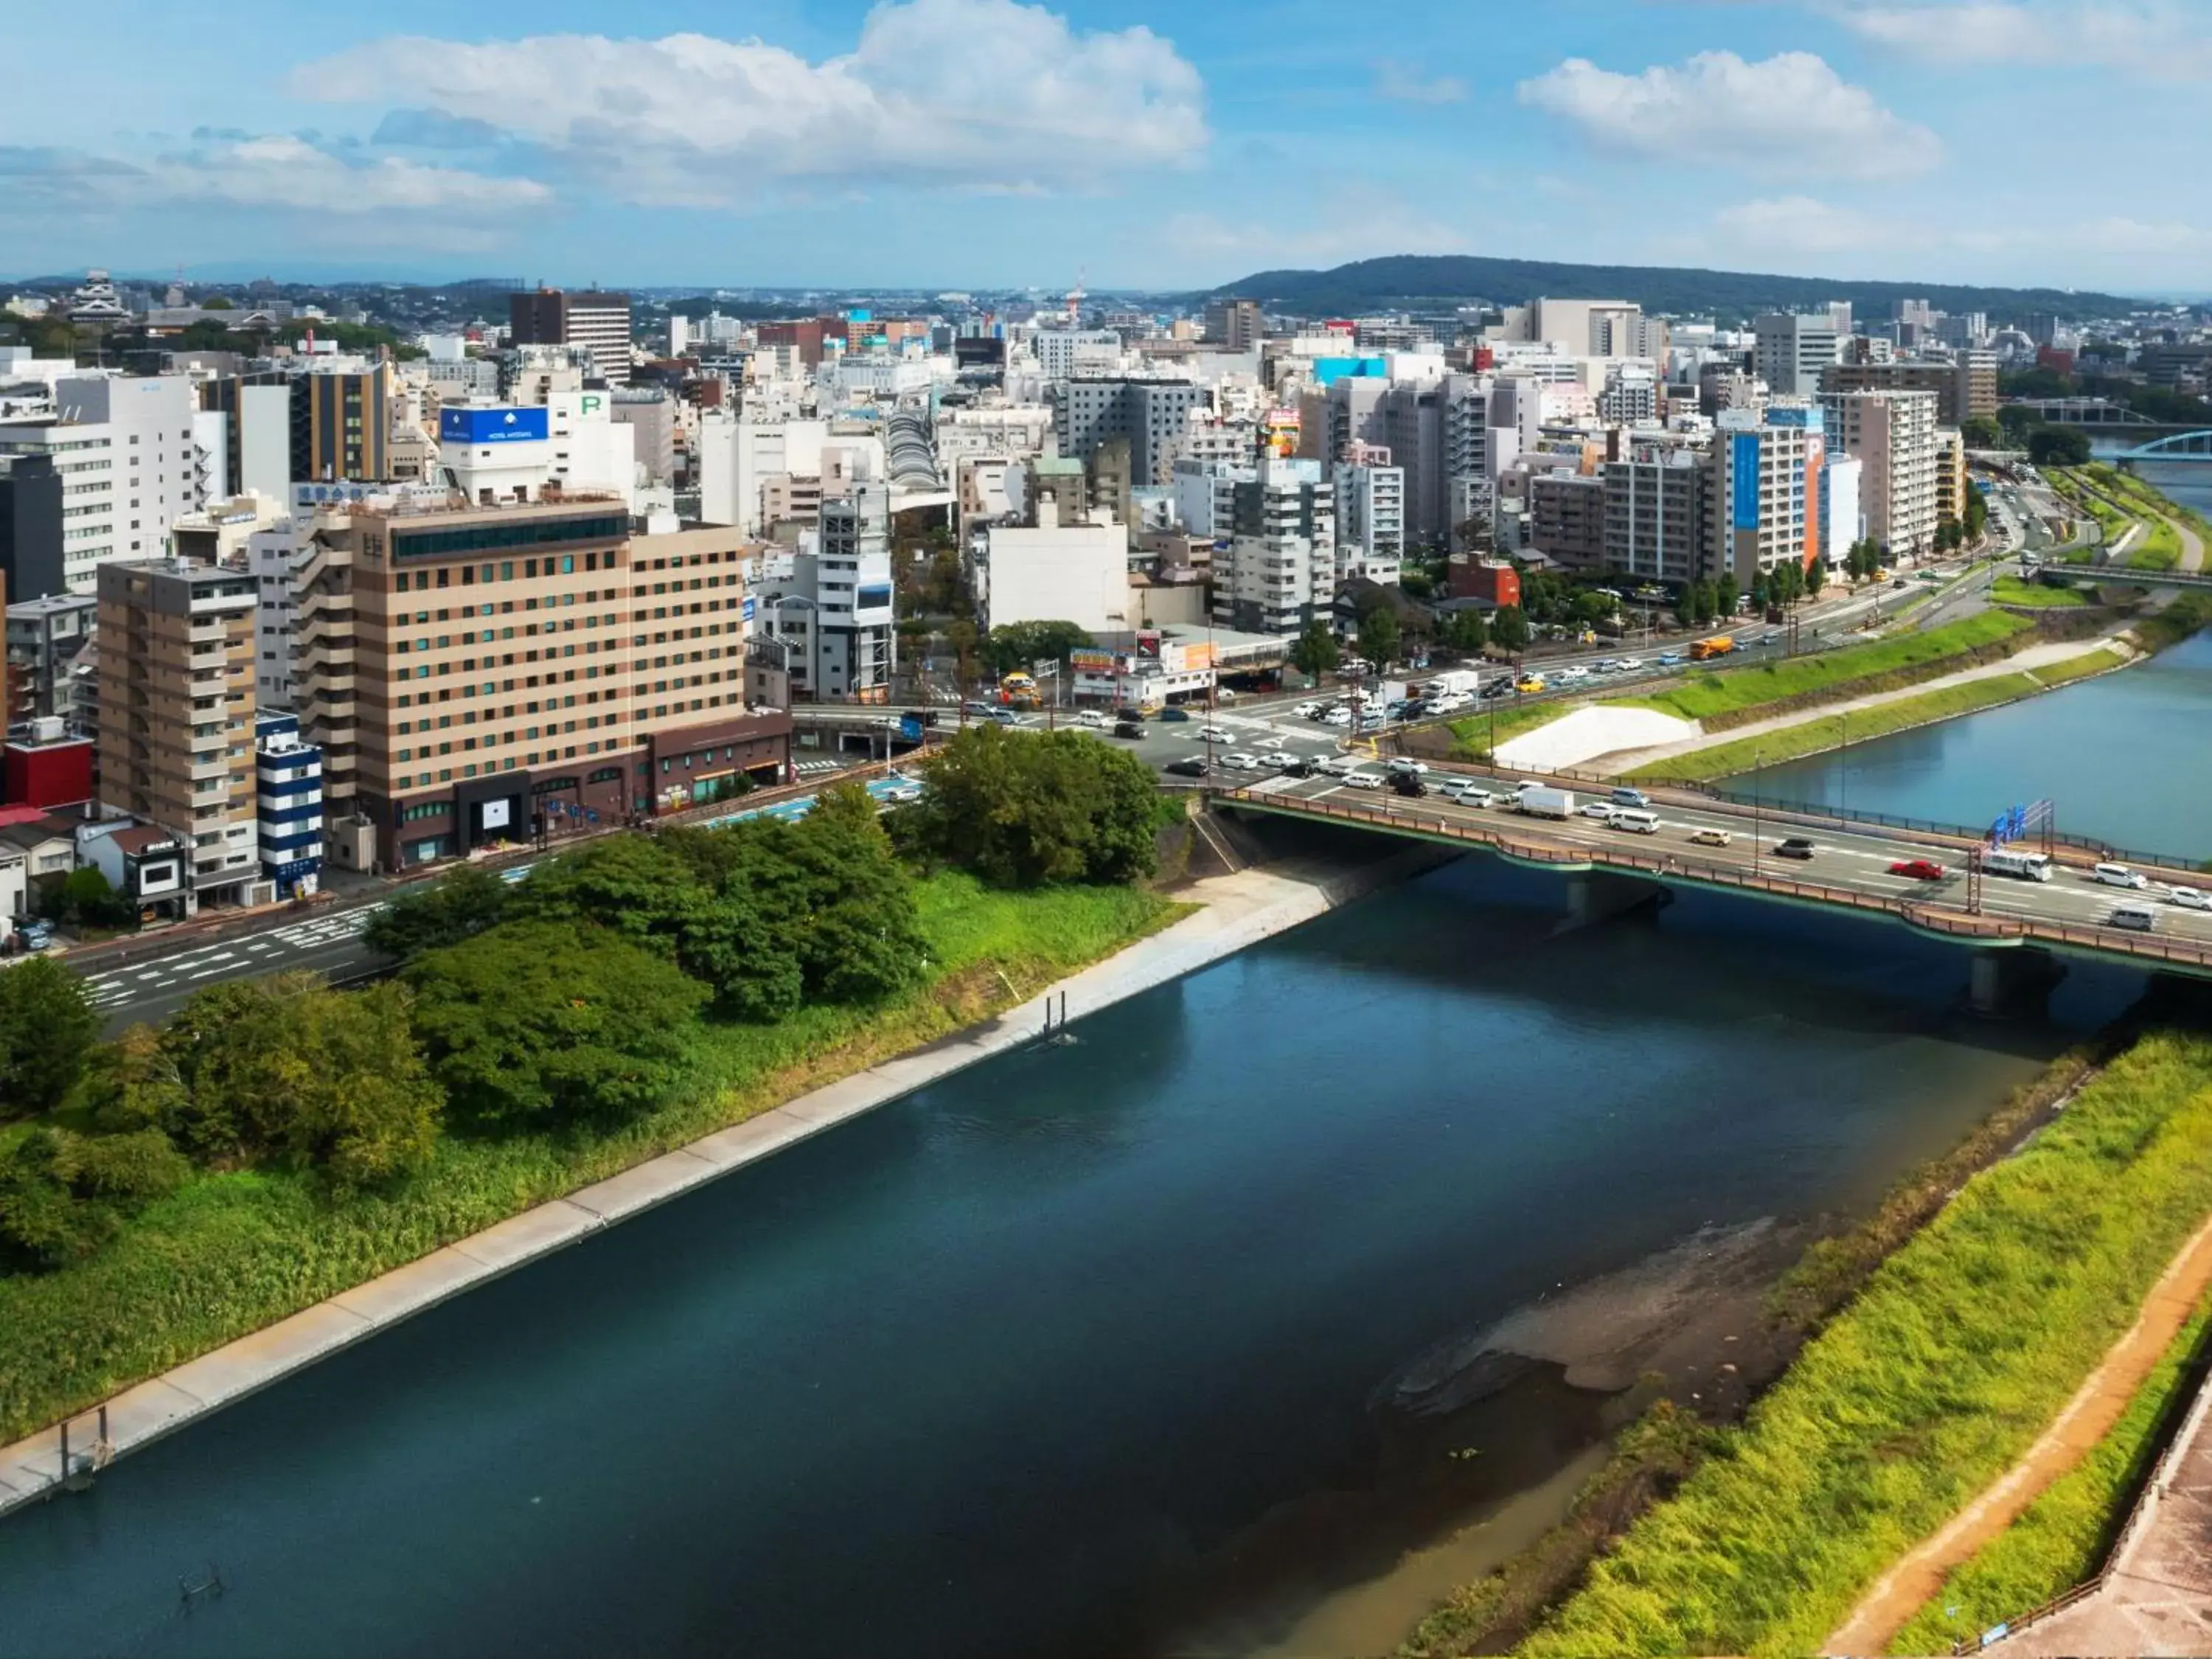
2087,412
2181,446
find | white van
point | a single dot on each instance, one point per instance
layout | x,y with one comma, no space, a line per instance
1641,824
2137,918
2118,875
2022,866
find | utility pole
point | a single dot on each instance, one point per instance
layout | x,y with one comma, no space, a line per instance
1758,762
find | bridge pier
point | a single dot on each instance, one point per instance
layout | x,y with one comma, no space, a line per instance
1595,896
2012,980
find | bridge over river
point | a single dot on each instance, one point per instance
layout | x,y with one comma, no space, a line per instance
2016,927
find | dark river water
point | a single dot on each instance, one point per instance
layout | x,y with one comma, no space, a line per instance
1056,1357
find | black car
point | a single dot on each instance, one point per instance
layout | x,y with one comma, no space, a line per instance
1192,768
1300,768
1497,688
1128,729
1408,784
1128,711
1795,847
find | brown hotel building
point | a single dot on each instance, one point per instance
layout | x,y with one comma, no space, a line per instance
483,674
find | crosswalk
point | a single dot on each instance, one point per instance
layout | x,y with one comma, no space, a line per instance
262,953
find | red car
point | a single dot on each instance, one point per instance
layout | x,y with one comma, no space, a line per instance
1919,869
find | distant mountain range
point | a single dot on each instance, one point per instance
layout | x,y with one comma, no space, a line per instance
1407,280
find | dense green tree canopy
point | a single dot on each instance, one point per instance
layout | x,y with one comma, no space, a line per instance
1023,808
47,1028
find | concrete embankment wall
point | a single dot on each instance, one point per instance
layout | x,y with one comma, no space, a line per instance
1240,910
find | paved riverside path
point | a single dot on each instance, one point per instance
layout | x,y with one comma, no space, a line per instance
1239,910
2097,1405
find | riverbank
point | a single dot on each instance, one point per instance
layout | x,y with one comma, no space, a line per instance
76,1337
1957,1355
1708,757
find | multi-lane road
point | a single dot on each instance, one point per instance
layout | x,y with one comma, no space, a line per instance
1853,857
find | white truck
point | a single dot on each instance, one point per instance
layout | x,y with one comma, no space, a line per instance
1454,683
1540,802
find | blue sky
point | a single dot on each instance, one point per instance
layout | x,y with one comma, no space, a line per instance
959,142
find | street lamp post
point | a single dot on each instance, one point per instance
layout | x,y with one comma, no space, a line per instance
1757,762
1844,779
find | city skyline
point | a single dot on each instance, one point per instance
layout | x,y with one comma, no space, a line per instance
979,142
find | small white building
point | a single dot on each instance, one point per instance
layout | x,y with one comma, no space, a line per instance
288,805
1076,572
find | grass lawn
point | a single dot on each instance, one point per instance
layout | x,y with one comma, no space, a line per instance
2076,668
2010,590
2159,548
2062,1537
231,1253
1960,1351
1827,731
1726,691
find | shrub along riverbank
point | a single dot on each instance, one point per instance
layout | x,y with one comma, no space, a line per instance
279,1142
1962,1346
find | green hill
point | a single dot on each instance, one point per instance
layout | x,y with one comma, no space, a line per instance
1415,280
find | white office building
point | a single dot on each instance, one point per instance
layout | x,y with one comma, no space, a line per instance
130,463
830,616
737,457
1792,351
1056,572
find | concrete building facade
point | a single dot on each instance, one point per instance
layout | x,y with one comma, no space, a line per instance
1893,435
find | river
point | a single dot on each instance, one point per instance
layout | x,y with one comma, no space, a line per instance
2122,758
1085,1351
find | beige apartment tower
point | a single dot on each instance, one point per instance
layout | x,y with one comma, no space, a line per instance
177,709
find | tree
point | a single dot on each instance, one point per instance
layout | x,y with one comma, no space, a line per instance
87,897
1982,432
63,1195
47,1029
449,910
1467,633
1977,513
1508,629
1315,651
1816,576
1727,601
217,302
1025,809
1016,646
1703,605
533,1025
2059,445
632,885
1378,636
285,1069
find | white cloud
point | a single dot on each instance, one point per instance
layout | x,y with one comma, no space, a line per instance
1788,226
974,92
1404,84
1774,117
274,171
2157,39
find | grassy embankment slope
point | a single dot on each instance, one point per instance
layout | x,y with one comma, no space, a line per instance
233,1252
2064,1535
1962,1346
1825,731
1735,695
2010,590
2118,500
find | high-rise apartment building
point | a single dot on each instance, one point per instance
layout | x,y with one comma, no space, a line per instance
1658,505
1792,351
1370,517
342,423
482,674
1279,571
129,466
1893,435
1152,414
1566,519
1766,485
177,714
590,320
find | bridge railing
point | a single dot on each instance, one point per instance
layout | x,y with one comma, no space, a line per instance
1966,926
